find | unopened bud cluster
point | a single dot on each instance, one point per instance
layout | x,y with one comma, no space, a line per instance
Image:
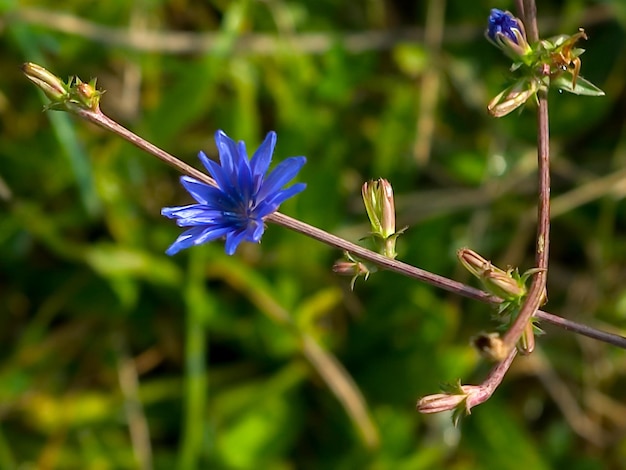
508,286
63,96
550,62
381,212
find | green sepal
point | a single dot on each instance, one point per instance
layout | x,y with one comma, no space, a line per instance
452,388
460,411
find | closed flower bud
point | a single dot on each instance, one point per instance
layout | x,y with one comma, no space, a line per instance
86,94
473,262
457,397
50,84
503,285
500,283
490,346
513,97
352,267
440,402
380,207
507,33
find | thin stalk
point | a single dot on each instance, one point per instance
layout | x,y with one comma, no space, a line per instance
537,292
493,380
98,118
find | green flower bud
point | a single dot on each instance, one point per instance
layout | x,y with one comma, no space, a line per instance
380,207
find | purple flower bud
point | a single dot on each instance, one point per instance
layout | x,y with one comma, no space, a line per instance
503,22
507,33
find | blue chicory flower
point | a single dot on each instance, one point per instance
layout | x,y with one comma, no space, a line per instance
243,198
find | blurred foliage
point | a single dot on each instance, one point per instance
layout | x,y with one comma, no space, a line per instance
115,356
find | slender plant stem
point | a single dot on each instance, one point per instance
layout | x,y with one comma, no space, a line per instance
100,119
493,380
537,292
519,5
528,12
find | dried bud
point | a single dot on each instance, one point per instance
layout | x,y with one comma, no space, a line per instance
74,95
503,284
352,267
50,84
457,397
513,97
473,262
526,344
440,402
562,61
86,94
490,346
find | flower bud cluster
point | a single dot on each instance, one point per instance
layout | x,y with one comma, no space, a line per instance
63,96
550,62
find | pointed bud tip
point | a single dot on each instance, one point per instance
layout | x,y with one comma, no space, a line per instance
46,81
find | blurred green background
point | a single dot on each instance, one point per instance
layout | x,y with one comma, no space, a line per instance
115,356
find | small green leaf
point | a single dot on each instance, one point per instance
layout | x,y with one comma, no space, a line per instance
583,87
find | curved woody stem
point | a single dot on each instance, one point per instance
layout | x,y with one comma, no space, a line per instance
537,292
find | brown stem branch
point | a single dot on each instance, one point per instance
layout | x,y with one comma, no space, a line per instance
98,118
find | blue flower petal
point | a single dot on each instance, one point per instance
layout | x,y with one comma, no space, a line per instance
211,233
201,192
185,240
283,195
244,180
233,239
227,150
194,212
262,158
222,179
283,173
